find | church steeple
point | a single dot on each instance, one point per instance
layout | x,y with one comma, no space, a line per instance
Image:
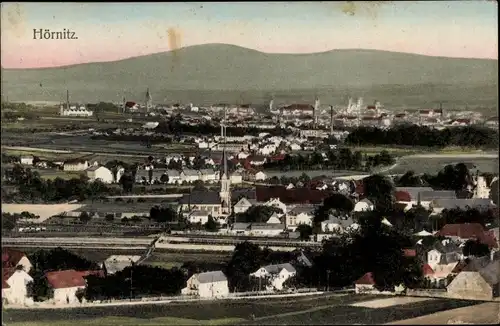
225,181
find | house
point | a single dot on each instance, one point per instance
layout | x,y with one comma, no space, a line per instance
76,165
12,258
116,263
207,285
208,201
264,229
259,176
190,176
65,284
27,160
478,280
366,284
274,219
207,175
301,214
290,196
243,205
14,285
276,275
236,178
100,173
118,210
426,197
240,228
467,231
256,160
363,205
276,202
198,216
337,224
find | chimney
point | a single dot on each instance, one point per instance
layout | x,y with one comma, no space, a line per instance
331,120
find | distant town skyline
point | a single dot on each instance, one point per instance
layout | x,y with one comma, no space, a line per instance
114,31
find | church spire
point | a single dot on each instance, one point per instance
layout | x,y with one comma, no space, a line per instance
225,181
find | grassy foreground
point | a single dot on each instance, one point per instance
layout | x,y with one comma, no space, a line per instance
125,321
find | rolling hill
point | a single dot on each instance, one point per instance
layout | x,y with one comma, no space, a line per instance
220,68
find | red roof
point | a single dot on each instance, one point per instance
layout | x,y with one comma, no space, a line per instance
427,270
462,120
302,107
402,196
488,238
130,104
291,196
11,257
464,230
371,107
400,115
366,279
65,279
279,157
409,252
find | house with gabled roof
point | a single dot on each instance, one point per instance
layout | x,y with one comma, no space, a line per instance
300,214
469,231
15,286
264,229
207,285
276,275
275,218
243,205
478,280
208,201
65,284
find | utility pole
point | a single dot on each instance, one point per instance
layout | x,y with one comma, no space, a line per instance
327,280
131,278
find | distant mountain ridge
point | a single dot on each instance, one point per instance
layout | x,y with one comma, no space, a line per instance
216,67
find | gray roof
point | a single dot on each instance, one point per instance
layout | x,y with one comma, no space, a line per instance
199,213
201,198
450,247
209,277
241,226
437,194
207,171
189,172
274,269
265,226
307,209
414,191
157,173
345,223
478,203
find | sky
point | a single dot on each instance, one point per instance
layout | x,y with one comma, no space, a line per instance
114,31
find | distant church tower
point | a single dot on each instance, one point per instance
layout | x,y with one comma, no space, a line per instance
149,100
225,181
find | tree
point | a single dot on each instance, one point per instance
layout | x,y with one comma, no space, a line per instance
305,231
9,221
211,225
84,217
80,295
380,189
162,214
494,192
199,185
39,288
246,259
164,178
109,217
127,182
475,248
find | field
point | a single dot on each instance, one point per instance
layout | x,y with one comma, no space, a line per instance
306,310
435,164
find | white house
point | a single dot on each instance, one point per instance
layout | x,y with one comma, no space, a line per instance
208,175
259,176
301,214
27,160
100,173
190,176
242,205
65,285
198,216
276,202
120,171
336,225
276,275
295,147
274,219
14,286
174,177
236,178
264,229
363,205
75,165
207,285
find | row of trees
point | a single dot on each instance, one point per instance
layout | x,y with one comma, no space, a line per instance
413,135
343,159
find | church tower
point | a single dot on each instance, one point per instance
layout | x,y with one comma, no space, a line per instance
225,181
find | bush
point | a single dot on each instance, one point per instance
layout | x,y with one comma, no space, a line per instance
110,217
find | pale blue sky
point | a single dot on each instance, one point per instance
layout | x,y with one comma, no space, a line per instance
111,31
